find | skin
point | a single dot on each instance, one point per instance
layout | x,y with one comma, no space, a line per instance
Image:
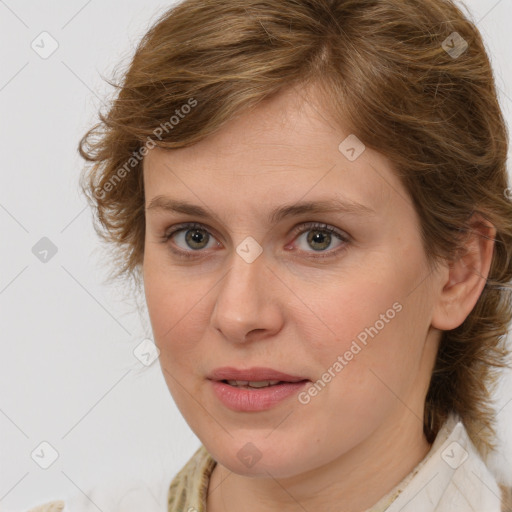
363,433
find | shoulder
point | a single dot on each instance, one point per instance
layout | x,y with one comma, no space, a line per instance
506,498
50,506
188,489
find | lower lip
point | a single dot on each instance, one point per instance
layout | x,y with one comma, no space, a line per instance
242,399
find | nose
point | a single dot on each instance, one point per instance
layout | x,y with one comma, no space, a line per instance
247,305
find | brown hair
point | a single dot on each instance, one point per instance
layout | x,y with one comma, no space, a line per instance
395,73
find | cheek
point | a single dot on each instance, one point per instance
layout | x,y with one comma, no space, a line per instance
170,296
176,306
165,308
369,329
352,308
171,312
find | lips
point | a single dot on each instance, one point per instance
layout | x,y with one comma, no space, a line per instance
228,386
252,375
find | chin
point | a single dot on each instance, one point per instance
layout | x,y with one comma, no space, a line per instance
260,458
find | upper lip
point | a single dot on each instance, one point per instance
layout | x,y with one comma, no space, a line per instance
254,374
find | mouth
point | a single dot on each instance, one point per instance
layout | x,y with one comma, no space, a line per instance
255,389
244,384
254,377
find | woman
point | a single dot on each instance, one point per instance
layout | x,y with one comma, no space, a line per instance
313,195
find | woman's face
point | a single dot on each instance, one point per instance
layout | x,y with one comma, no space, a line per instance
349,312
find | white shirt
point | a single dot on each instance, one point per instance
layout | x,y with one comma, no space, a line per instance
451,478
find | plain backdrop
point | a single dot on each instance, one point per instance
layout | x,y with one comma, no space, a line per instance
68,374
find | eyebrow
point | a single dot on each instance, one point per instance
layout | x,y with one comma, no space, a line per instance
322,206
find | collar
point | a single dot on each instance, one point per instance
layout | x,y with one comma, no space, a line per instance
452,476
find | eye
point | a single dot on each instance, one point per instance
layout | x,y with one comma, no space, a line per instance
320,237
193,238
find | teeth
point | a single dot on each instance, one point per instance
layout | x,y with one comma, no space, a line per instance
253,384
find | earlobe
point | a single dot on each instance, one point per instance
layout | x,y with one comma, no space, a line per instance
465,279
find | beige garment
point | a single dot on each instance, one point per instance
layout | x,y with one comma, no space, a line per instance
451,477
53,506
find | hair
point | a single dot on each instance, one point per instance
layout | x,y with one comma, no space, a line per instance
384,69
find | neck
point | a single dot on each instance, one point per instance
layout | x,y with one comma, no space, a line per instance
352,482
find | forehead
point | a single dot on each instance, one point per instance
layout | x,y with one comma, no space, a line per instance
284,150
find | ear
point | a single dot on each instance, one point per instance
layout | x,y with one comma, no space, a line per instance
466,275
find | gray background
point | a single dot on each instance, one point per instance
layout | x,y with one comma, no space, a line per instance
68,375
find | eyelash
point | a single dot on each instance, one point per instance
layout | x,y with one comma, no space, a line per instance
299,230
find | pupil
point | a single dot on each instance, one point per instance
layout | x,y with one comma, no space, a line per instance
194,237
317,238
